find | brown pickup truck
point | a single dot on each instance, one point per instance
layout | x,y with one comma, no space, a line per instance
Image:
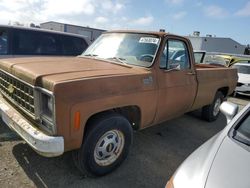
125,80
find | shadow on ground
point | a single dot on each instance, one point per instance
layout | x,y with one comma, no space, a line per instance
154,156
6,134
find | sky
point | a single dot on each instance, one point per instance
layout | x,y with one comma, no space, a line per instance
229,18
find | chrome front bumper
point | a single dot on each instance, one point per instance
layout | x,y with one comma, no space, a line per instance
48,146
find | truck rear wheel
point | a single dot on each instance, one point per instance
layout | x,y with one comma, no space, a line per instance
105,146
212,111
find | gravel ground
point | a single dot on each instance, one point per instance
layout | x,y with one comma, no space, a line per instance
154,156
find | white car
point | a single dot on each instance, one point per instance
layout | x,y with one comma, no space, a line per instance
224,160
243,85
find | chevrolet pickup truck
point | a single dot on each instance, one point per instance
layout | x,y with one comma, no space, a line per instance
90,104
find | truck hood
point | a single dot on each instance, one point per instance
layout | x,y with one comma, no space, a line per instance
47,71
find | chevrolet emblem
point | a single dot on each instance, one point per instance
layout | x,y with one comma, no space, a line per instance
10,88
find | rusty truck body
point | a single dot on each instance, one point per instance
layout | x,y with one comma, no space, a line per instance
90,104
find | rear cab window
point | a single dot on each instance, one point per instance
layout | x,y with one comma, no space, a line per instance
215,59
3,41
198,57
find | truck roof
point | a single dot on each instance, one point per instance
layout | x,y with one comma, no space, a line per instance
159,33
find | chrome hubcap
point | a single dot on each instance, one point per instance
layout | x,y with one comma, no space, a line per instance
217,107
109,147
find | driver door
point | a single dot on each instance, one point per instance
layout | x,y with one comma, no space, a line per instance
177,80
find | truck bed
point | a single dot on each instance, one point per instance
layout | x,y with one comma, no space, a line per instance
211,77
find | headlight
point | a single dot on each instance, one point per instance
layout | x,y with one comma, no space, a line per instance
47,106
46,110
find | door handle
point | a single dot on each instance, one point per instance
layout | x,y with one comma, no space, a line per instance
191,73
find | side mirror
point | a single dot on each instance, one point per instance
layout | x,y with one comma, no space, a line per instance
229,110
175,66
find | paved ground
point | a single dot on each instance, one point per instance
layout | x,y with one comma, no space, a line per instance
154,156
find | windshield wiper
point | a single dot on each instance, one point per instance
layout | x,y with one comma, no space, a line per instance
119,59
90,55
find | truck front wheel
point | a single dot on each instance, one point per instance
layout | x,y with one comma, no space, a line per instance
105,146
212,111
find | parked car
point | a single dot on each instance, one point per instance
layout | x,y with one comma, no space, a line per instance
224,160
125,80
209,58
233,59
221,59
22,41
243,85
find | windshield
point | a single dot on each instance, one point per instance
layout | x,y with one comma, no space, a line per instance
130,48
243,131
243,69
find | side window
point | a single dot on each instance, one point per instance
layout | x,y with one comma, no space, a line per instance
3,42
48,44
175,55
73,45
35,43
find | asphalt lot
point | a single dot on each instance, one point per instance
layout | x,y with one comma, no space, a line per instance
154,156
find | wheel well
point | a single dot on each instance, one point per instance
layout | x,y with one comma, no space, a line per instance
131,113
224,91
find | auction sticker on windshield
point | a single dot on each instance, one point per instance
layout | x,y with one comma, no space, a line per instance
149,40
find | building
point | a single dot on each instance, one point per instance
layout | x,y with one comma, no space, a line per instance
90,33
211,43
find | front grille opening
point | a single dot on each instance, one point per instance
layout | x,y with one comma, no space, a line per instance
21,94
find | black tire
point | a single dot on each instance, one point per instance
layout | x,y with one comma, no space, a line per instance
85,158
235,94
208,111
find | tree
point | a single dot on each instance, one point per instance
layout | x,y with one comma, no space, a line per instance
32,25
18,23
247,50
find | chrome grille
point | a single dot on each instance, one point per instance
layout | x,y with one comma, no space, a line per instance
18,92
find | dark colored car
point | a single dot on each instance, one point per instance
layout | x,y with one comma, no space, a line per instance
22,41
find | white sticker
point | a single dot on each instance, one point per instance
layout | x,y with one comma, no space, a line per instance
149,40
